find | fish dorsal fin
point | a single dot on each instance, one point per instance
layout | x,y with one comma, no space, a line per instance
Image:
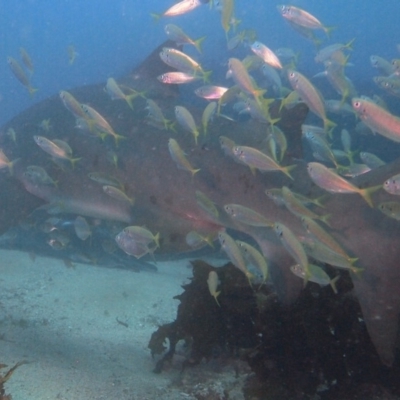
144,76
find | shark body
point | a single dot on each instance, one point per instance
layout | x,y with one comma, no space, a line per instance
165,197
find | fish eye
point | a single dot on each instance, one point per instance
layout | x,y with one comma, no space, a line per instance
357,104
292,75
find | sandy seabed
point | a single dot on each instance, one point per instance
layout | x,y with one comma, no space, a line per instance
63,321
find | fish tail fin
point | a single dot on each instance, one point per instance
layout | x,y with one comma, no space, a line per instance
129,99
317,42
285,101
198,42
32,90
157,240
295,61
324,219
286,170
117,138
170,125
215,297
209,241
205,126
306,279
226,34
345,95
318,201
90,124
281,105
219,108
328,30
156,17
355,270
366,193
206,76
346,63
142,94
258,94
349,45
351,155
11,166
329,126
194,171
102,135
250,277
274,121
196,134
333,284
151,252
74,161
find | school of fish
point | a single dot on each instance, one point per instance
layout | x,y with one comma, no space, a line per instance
253,85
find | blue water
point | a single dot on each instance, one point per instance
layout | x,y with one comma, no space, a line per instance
113,36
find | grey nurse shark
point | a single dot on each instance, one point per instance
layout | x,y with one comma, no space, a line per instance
164,195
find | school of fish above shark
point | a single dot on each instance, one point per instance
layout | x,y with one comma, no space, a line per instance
160,177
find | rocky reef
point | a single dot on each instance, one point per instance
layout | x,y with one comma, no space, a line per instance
316,348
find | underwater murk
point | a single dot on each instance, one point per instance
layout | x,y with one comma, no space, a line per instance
261,136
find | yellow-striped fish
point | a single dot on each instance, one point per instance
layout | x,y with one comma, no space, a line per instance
179,157
377,119
310,96
333,183
19,73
